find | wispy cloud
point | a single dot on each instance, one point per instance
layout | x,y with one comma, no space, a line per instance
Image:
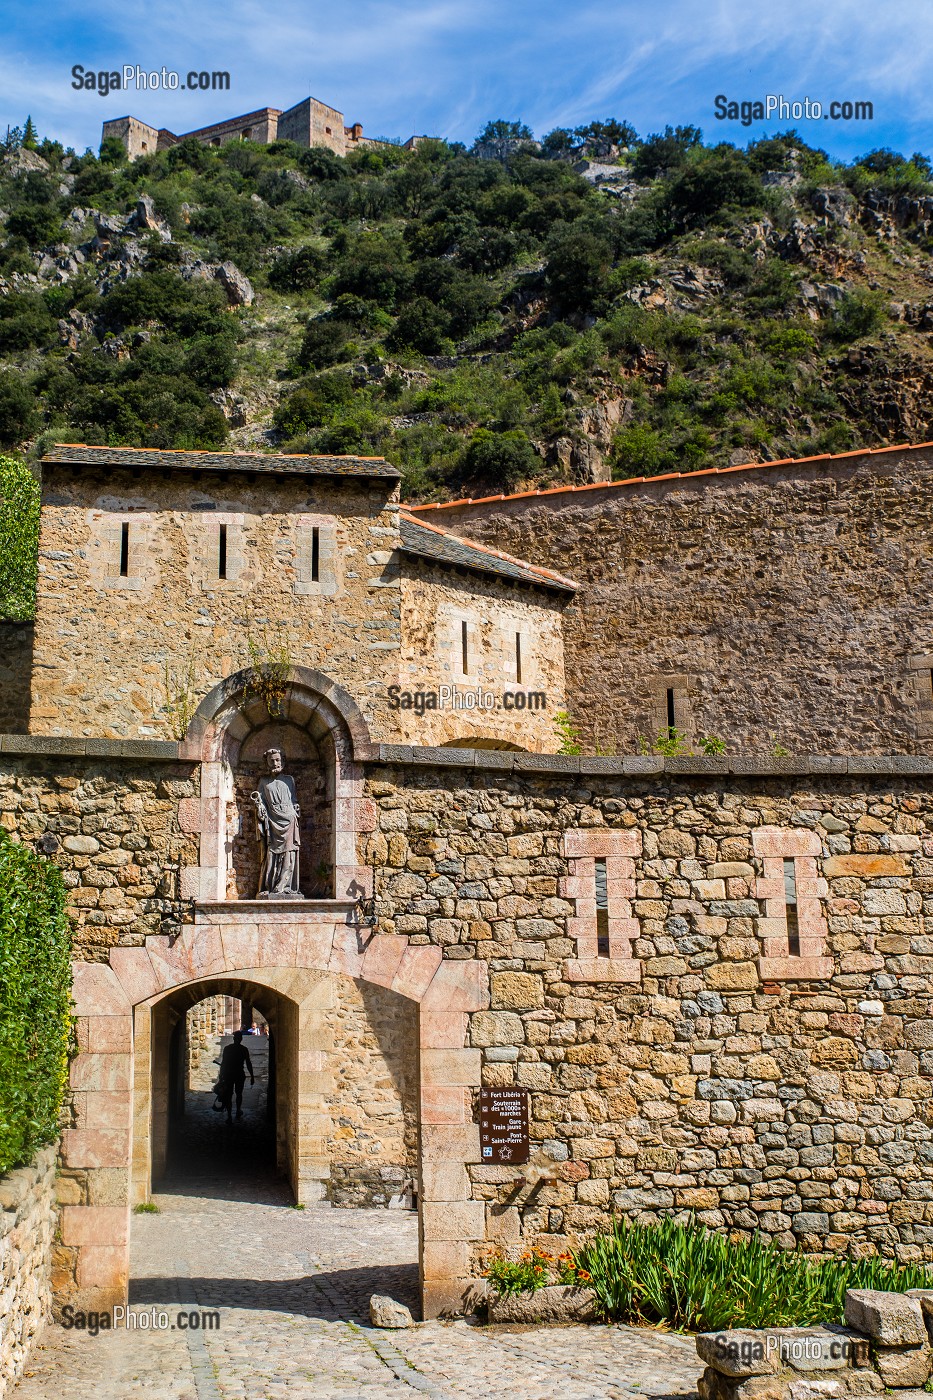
447,66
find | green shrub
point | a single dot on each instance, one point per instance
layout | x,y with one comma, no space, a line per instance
503,459
18,416
19,539
687,1277
858,313
35,1001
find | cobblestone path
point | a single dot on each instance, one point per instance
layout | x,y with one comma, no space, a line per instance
293,1287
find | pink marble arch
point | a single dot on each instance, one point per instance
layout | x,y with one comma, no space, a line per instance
230,943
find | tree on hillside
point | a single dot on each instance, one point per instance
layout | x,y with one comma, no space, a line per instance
502,130
611,132
30,135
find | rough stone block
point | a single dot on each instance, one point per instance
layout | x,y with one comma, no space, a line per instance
890,1319
516,991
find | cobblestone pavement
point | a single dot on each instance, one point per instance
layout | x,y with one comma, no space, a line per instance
293,1288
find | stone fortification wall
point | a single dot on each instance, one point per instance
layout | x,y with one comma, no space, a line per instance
785,604
27,1225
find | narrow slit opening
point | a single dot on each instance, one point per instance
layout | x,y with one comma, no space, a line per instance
518,658
464,649
602,908
790,901
124,549
315,554
222,553
671,715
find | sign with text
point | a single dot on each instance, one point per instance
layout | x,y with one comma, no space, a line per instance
503,1125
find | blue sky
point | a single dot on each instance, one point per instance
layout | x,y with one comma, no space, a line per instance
446,66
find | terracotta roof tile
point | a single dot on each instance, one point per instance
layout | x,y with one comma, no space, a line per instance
675,476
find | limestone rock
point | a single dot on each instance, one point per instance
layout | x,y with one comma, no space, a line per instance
559,1303
386,1312
890,1319
903,1366
238,287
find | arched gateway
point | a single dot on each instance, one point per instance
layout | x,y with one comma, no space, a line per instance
288,954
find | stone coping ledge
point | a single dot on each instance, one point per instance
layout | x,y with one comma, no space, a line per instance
640,765
508,761
236,911
17,1184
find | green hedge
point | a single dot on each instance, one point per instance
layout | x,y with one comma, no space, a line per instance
35,1001
19,539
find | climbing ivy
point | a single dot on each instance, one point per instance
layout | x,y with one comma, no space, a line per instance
35,1001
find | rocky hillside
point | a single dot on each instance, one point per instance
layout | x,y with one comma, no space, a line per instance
518,314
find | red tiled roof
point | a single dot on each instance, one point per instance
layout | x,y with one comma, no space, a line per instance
675,476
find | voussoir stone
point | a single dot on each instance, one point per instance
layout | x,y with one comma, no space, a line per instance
890,1319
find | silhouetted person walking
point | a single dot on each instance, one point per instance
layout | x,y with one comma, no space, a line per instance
234,1063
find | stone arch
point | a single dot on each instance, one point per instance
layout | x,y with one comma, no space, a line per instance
316,711
275,948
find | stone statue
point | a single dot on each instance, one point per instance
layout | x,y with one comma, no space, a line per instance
277,814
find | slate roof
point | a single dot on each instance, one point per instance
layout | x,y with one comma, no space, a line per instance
155,459
430,542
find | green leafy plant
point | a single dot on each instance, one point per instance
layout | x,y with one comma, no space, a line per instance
146,1208
269,663
777,749
669,743
687,1277
567,733
712,745
180,698
35,1001
19,540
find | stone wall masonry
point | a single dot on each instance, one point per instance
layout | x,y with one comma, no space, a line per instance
435,604
15,676
27,1225
798,1105
117,839
754,594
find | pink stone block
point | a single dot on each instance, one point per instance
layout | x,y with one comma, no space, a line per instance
785,842
315,945
620,889
588,947
581,928
770,888
602,970
460,1067
443,1103
382,958
454,1220
99,1226
622,927
773,927
584,869
775,947
442,1029
416,971
104,1108
458,986
365,814
205,949
442,1142
172,965
586,908
600,841
805,868
97,990
189,814
444,1181
191,881
575,887
96,1147
103,1267
346,952
240,945
138,977
789,969
109,1071
444,1259
106,1034
278,945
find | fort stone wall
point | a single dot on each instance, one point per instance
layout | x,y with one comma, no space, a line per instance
786,604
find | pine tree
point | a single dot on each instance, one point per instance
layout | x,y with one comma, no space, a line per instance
30,135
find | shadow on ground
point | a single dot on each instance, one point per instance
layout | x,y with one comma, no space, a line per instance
333,1295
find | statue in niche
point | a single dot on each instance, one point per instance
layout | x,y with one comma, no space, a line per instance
277,814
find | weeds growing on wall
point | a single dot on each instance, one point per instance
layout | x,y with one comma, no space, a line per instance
269,665
687,1277
35,1001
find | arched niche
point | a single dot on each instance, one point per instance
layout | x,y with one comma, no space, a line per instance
322,735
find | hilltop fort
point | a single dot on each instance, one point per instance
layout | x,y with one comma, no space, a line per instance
308,123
